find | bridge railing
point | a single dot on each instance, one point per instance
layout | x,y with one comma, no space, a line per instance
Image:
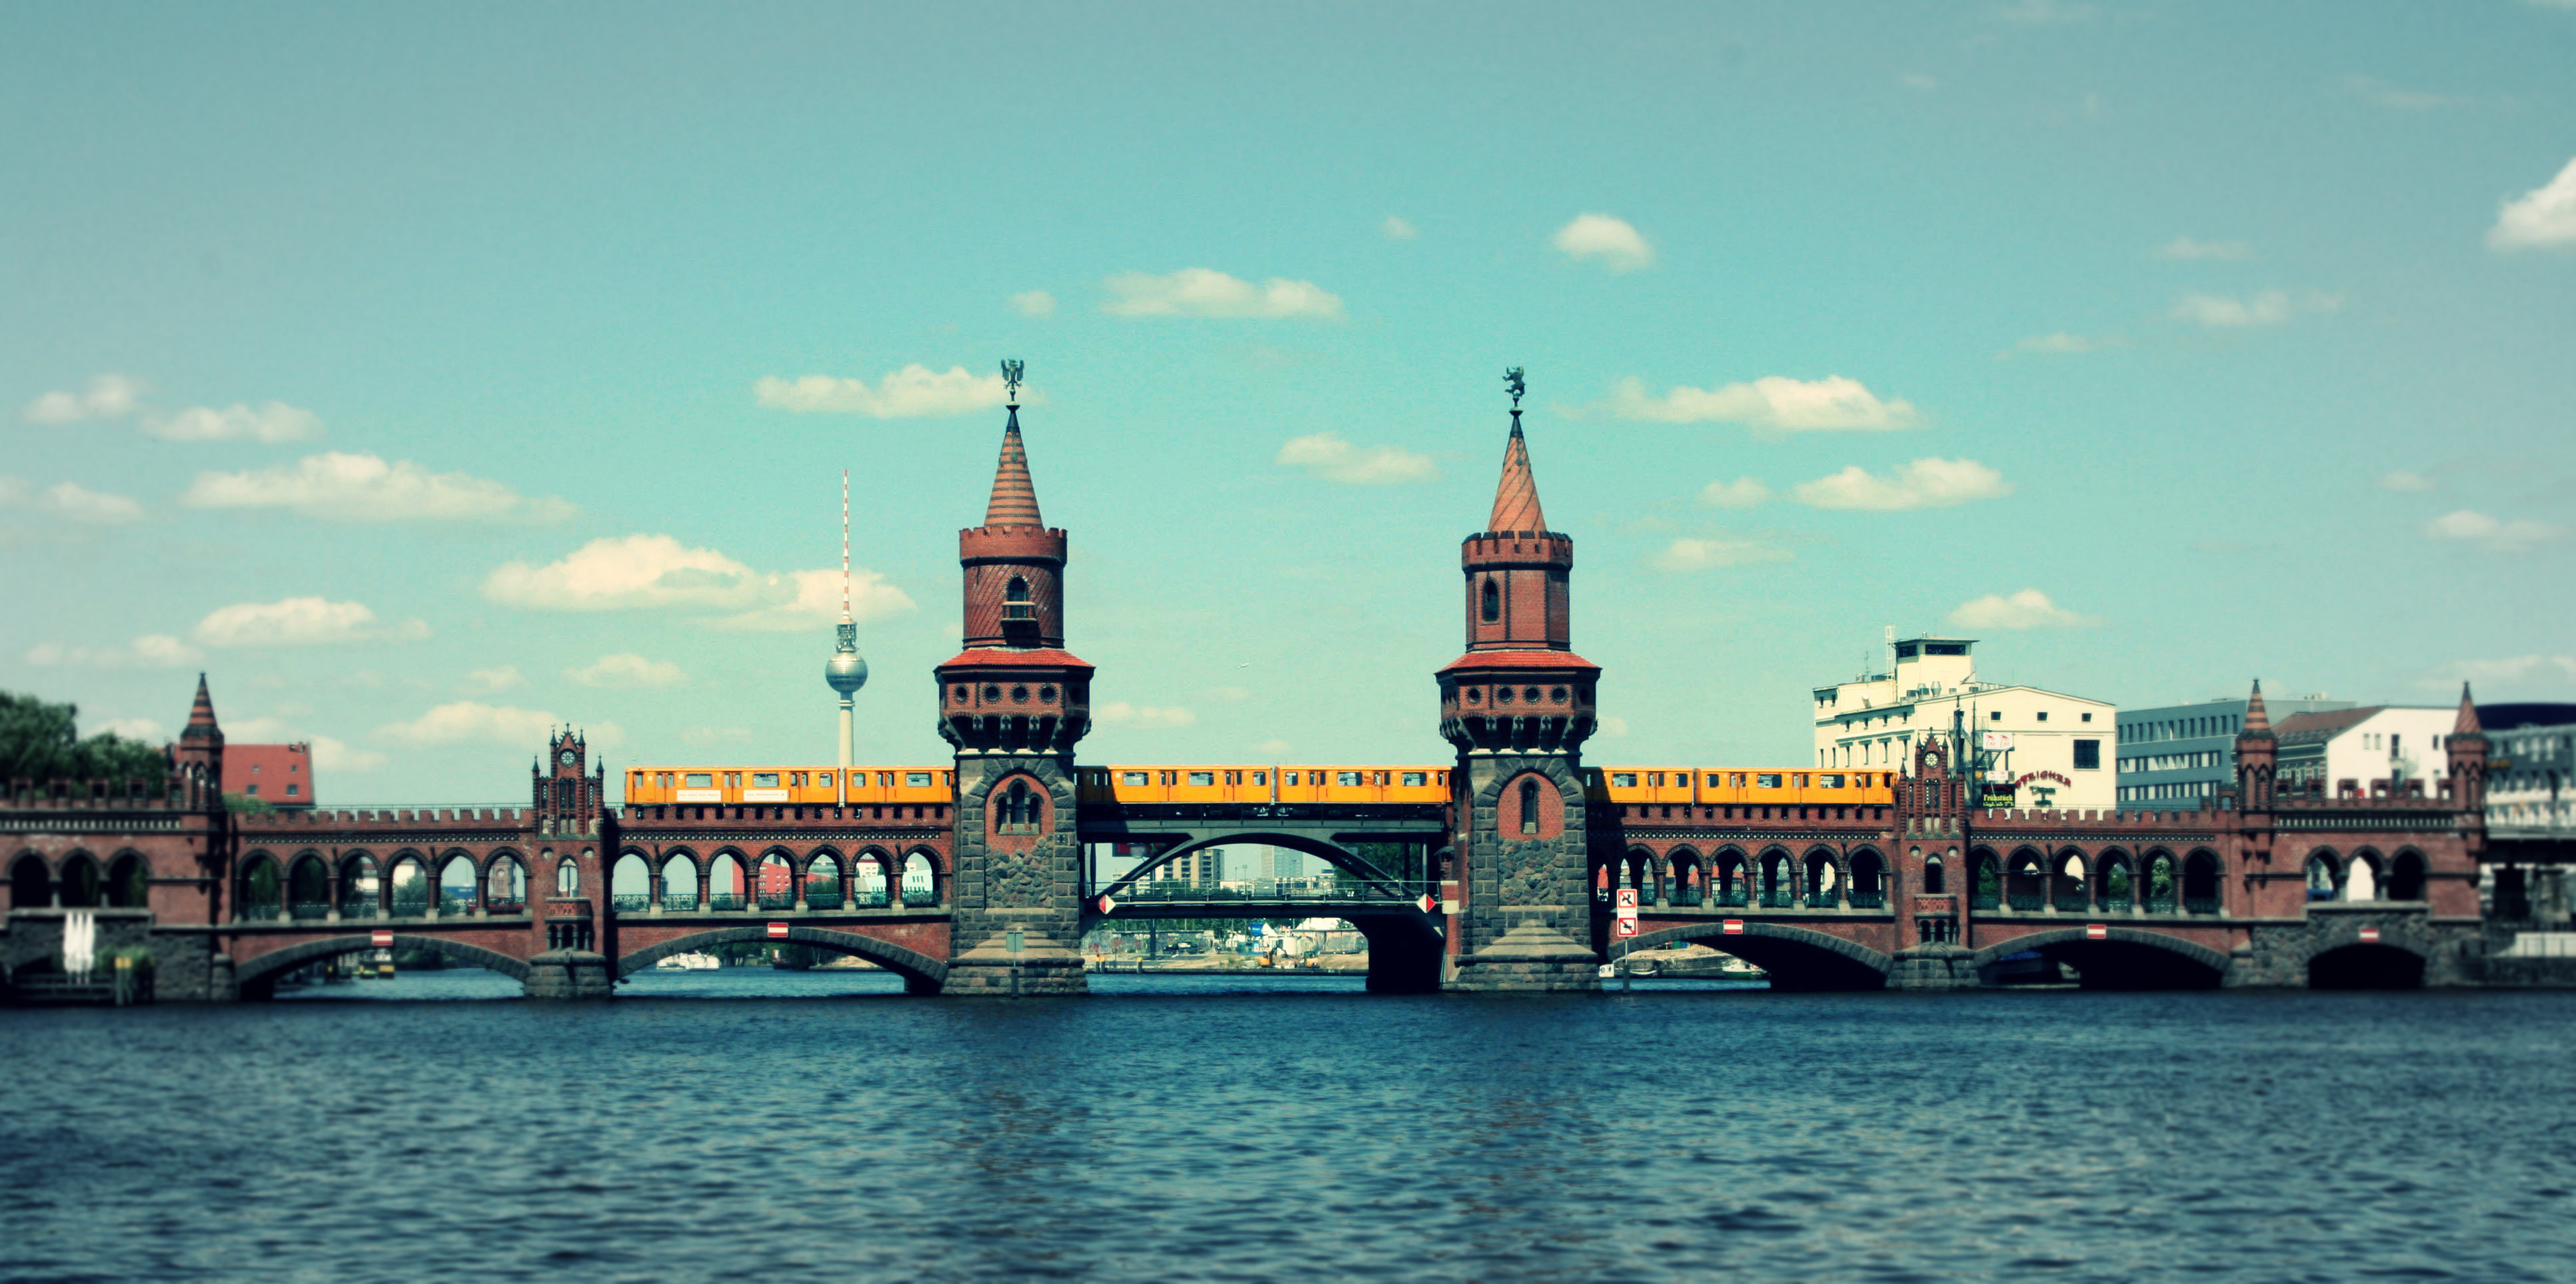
1261,891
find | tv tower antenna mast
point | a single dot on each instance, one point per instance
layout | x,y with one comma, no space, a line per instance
846,672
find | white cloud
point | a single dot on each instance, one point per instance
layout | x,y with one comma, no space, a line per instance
1398,229
109,397
2268,307
150,651
2405,482
1033,303
143,729
1119,713
298,621
656,571
71,502
627,669
1687,554
1925,483
2543,218
270,421
331,754
2061,344
2560,668
1328,456
1771,405
1614,725
1619,247
1743,492
914,392
2027,609
465,720
2372,89
1201,292
336,486
2184,247
494,680
2491,534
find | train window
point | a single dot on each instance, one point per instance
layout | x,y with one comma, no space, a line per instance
1202,777
1713,778
701,779
1234,777
917,779
1766,780
1655,778
796,778
1829,782
1346,778
1261,777
1415,779
1802,780
885,779
1288,778
1132,778
1623,780
764,780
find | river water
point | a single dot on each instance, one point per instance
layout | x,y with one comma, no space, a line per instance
791,1127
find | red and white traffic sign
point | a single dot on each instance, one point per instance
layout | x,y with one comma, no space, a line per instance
2370,936
778,931
382,938
2097,931
1627,898
1107,904
1424,903
1732,927
1627,927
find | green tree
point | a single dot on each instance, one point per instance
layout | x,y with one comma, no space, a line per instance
41,741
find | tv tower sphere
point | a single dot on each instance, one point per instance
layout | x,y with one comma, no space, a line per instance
846,671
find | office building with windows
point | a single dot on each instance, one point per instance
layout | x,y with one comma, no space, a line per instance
2179,756
2379,751
2531,766
2048,749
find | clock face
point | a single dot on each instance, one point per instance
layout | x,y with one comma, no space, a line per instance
567,757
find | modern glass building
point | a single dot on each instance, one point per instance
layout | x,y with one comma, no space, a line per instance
2181,755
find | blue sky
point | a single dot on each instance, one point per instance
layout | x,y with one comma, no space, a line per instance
430,375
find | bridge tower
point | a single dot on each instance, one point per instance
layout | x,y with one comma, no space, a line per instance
1518,706
570,872
1013,703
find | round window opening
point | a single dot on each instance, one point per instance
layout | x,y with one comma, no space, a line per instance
992,693
1046,695
1502,695
1530,695
1474,696
1557,695
961,695
1019,695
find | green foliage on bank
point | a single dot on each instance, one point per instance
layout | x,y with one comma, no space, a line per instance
41,741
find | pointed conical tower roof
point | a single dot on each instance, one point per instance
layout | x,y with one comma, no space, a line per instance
1015,497
2467,723
2258,724
201,716
1516,496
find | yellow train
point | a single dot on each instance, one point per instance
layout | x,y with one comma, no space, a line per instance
1256,783
650,786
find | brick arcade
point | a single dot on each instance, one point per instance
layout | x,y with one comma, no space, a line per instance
1929,892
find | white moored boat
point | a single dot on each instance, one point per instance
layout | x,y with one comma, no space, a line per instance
688,963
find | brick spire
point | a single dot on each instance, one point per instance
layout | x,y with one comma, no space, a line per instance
2467,725
2257,722
201,716
1516,498
1015,497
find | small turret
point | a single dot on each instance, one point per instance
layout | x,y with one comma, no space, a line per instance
2467,749
200,751
2258,755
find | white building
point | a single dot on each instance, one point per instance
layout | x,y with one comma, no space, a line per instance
2048,749
2358,751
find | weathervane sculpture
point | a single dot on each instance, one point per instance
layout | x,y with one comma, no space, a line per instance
1512,381
1011,370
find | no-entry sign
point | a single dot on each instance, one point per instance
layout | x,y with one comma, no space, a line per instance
2097,931
778,931
2370,936
1732,927
382,938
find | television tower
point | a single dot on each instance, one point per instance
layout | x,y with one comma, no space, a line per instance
845,671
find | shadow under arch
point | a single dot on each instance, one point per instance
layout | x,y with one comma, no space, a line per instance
2127,958
1797,958
1339,857
2366,966
257,979
921,973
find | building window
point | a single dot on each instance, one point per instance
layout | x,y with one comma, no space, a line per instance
1019,809
2088,755
1529,806
2088,717
1493,601
1996,716
2043,715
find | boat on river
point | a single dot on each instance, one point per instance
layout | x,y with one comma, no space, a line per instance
691,962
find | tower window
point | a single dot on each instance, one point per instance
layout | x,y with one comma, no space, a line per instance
1015,601
1019,810
1493,601
1529,806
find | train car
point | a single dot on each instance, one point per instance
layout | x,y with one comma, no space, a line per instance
1645,784
1160,783
1363,784
649,786
1741,786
